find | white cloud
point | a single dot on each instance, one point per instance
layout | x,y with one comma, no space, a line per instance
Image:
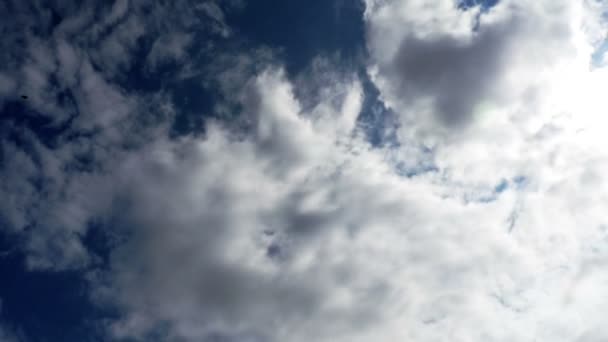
300,231
232,200
526,105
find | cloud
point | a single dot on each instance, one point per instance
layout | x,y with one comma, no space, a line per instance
59,146
169,48
502,95
299,229
215,13
231,225
441,76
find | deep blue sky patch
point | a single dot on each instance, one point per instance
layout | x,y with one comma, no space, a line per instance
304,30
44,305
484,4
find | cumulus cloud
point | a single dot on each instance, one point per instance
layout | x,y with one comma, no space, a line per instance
505,97
446,74
242,206
301,230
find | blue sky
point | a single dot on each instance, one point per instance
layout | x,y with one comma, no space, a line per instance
391,170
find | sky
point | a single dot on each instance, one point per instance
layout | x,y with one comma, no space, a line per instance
291,171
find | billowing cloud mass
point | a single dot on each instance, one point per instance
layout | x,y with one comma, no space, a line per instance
480,218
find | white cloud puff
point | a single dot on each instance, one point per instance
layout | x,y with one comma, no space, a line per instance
508,94
301,231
